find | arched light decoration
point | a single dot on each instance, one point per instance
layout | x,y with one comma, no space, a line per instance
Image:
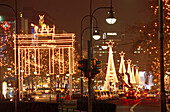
111,19
96,35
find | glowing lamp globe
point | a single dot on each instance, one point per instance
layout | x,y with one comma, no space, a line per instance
111,19
104,46
96,35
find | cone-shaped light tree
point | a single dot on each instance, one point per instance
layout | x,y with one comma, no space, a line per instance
122,68
111,77
129,71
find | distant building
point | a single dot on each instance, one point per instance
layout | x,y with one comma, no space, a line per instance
122,42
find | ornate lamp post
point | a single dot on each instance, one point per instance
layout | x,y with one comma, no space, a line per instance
90,53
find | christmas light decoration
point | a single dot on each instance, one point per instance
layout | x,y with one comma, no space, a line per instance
122,68
129,71
133,75
6,25
137,75
111,77
150,38
45,52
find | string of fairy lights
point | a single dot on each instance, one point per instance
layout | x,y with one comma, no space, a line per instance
150,45
6,50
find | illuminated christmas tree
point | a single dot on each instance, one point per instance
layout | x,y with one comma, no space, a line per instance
111,77
122,68
130,72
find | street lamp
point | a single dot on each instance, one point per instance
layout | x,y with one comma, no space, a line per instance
96,35
90,54
82,31
111,18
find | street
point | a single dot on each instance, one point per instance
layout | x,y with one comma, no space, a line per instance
139,105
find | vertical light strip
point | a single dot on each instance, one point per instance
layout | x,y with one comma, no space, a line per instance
63,60
15,53
59,62
133,74
70,72
49,62
39,61
35,57
22,74
19,75
72,54
69,60
137,75
29,62
25,62
53,59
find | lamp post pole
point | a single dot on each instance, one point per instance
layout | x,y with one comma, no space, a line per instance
89,61
82,31
161,37
90,54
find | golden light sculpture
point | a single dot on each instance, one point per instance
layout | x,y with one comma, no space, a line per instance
111,77
45,52
122,68
129,71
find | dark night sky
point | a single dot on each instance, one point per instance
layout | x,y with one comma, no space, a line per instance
68,13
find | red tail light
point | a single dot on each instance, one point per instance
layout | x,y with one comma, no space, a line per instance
138,94
135,94
127,94
131,92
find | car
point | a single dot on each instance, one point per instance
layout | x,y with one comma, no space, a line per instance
44,90
121,93
109,95
97,95
143,94
106,95
63,96
28,98
103,96
115,95
12,99
132,94
151,95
